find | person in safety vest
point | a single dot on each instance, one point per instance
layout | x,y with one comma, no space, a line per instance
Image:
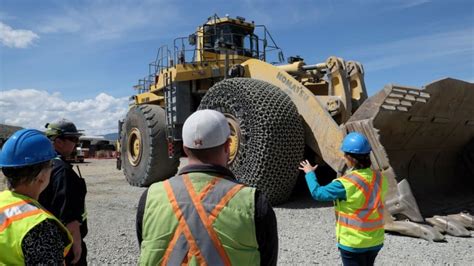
203,215
66,193
29,235
359,201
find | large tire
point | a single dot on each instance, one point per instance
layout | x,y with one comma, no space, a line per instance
271,134
144,148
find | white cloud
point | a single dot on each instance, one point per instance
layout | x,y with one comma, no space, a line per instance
16,38
34,108
418,49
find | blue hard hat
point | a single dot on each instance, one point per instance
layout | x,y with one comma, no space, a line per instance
26,147
356,143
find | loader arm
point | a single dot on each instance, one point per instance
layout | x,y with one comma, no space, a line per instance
422,141
311,108
339,85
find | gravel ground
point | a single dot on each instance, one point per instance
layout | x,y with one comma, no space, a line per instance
306,229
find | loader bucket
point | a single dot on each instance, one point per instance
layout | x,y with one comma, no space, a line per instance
423,141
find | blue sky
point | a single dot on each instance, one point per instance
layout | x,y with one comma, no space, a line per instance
80,59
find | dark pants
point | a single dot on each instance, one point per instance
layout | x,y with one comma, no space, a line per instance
358,259
82,260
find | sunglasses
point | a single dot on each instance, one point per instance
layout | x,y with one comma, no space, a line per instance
71,139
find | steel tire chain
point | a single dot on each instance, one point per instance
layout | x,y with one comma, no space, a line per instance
272,141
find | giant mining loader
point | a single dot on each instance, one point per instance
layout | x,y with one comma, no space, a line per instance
280,113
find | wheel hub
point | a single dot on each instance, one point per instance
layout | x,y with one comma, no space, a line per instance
235,136
134,150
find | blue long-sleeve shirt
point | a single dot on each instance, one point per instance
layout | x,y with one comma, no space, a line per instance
332,191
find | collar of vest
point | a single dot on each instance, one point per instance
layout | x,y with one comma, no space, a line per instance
208,168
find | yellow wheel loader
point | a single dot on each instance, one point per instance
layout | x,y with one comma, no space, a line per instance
280,113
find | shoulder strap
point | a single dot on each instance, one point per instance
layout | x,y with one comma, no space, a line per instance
17,211
195,235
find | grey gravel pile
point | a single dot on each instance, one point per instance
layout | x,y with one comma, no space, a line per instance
306,229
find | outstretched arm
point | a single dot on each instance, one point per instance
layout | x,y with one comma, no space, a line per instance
330,192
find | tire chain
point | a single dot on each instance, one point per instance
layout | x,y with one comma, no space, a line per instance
272,135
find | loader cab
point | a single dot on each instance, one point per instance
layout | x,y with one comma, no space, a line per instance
221,36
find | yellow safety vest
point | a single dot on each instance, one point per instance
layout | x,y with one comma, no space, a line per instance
18,215
199,219
359,218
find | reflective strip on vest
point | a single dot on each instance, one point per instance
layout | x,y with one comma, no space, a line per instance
359,224
202,238
372,204
15,212
359,182
18,215
180,250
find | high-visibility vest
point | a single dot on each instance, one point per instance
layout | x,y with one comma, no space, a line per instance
18,215
199,219
359,218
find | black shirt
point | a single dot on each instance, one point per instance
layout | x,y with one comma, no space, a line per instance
65,195
44,244
265,219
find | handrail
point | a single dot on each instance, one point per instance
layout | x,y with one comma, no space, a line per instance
165,58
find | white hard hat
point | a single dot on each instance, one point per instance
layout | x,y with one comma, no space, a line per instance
205,129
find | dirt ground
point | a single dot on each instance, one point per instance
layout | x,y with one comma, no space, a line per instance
306,228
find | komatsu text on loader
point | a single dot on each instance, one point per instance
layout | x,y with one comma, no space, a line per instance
422,139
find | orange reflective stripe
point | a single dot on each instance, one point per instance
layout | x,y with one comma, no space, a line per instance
359,220
355,222
188,258
179,250
171,245
357,185
215,212
202,214
365,229
66,249
208,188
17,217
21,202
352,216
179,231
375,206
380,205
362,179
378,200
193,247
369,193
175,207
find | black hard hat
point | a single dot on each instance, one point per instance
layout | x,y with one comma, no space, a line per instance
62,128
